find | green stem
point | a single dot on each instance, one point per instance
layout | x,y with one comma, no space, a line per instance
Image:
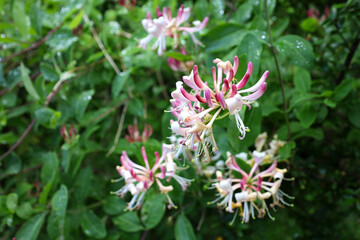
278,70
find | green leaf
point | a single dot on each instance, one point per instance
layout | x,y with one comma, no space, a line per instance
27,82
80,102
153,211
223,37
114,205
306,114
178,56
302,80
136,107
296,49
31,229
12,164
19,17
61,40
93,226
251,46
343,90
316,133
12,201
59,201
183,229
128,222
118,83
309,25
243,13
35,17
48,173
24,211
76,20
48,71
285,151
82,184
48,117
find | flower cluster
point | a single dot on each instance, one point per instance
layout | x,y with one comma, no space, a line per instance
134,133
249,193
166,25
138,179
269,150
197,110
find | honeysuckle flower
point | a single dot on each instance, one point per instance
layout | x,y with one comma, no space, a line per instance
269,150
196,110
249,193
166,25
134,133
314,13
138,179
68,135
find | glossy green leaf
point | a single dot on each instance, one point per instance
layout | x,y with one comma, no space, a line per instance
251,46
342,90
27,82
12,164
306,114
93,226
48,71
302,80
118,83
48,173
223,36
76,20
153,210
114,205
178,56
12,201
296,49
24,211
61,40
128,222
183,229
80,102
48,117
31,229
19,17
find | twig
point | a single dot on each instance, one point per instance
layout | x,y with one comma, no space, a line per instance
106,112
278,70
202,219
20,139
35,45
101,45
143,237
102,48
161,82
348,59
118,132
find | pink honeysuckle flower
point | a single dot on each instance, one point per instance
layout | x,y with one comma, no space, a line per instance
134,133
199,104
138,178
251,191
312,13
166,25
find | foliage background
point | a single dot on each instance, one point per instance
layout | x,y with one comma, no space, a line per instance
53,189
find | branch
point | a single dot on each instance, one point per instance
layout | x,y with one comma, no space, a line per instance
348,59
118,132
277,69
35,45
